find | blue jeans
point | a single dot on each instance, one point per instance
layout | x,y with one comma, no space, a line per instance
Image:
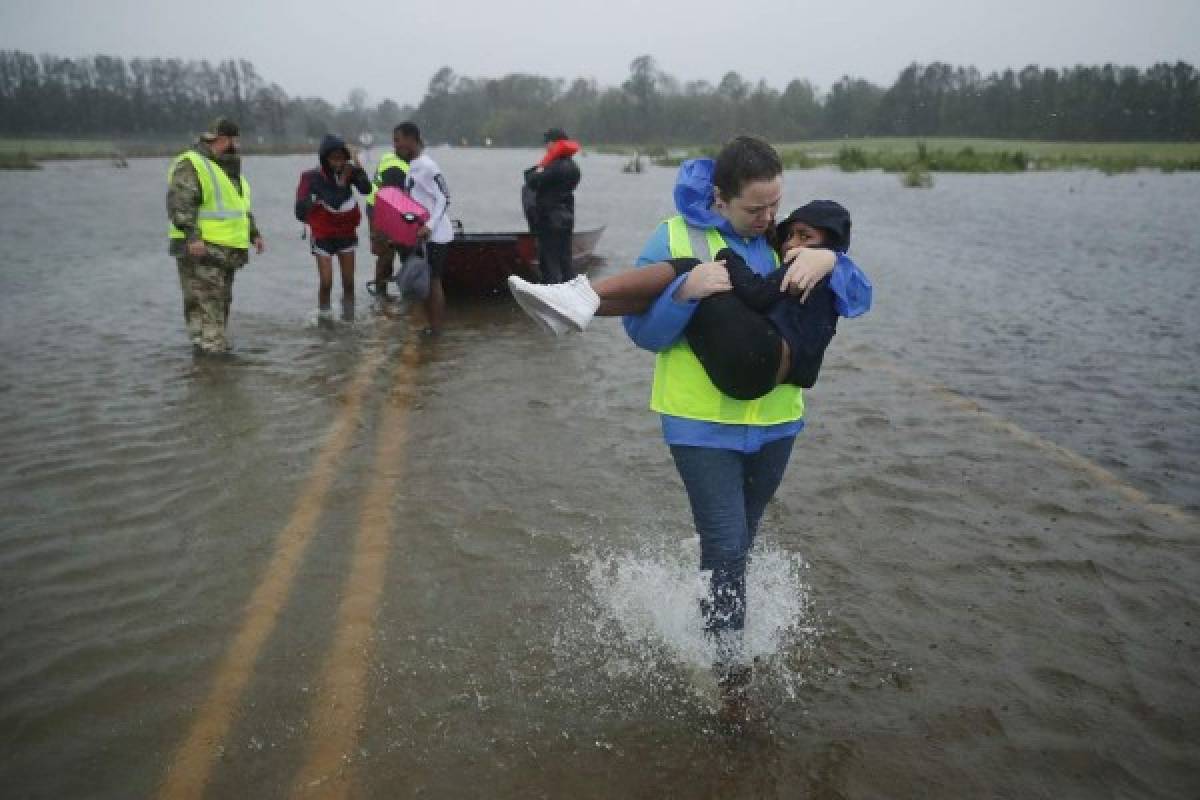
729,491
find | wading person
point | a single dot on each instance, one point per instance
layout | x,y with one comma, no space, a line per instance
392,170
730,454
427,186
325,202
553,181
749,339
211,230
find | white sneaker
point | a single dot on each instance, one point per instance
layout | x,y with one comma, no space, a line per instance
572,304
550,321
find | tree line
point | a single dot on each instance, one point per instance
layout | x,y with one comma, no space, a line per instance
157,98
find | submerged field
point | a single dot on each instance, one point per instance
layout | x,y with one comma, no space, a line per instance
936,154
891,154
1032,147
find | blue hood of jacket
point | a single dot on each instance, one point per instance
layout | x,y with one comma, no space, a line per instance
694,195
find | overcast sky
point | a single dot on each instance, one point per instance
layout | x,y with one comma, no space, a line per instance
325,48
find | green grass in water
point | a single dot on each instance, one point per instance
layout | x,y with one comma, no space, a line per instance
901,155
17,161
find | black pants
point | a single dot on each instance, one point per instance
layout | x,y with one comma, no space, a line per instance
554,255
738,347
741,348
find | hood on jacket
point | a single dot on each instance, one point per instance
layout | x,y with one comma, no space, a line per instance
559,148
827,215
694,194
328,144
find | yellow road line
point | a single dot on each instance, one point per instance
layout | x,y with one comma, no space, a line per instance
1098,473
341,694
189,771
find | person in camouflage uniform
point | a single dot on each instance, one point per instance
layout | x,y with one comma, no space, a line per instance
206,269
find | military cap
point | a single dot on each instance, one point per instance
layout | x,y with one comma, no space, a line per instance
221,126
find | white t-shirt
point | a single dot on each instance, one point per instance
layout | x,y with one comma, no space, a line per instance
428,187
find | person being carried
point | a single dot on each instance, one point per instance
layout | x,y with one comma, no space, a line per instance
749,339
553,182
325,202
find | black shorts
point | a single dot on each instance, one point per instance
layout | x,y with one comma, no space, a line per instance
333,245
436,254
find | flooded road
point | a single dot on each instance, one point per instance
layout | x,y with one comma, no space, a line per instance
350,562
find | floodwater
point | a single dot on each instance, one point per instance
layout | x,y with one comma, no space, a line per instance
350,562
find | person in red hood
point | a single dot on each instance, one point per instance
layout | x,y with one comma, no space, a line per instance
325,202
553,182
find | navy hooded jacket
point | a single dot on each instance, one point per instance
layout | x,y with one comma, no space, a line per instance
325,203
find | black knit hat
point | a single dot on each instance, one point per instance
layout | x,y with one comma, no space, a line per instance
554,135
827,215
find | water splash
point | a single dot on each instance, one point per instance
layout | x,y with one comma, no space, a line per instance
654,598
638,624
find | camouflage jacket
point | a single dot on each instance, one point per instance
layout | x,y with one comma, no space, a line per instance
183,204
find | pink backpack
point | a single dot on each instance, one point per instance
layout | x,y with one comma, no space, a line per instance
398,216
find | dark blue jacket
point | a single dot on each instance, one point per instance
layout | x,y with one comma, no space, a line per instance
323,202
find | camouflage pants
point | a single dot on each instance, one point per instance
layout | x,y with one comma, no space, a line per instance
207,295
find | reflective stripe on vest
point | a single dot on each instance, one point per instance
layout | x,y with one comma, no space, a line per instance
681,386
224,214
388,161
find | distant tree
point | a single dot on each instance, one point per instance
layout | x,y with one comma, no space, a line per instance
644,102
270,111
852,107
387,115
733,88
799,111
642,84
353,118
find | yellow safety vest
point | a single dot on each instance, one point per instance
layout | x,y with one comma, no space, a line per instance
682,387
224,216
388,161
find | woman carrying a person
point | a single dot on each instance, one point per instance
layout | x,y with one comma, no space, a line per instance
749,339
730,454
